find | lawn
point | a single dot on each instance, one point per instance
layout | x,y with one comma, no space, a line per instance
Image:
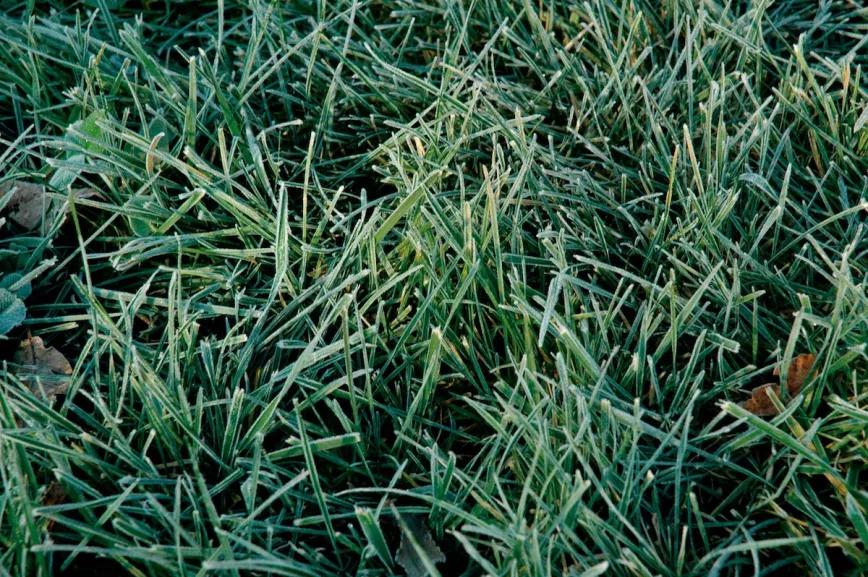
459,287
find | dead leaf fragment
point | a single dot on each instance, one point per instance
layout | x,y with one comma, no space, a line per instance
407,557
27,203
32,352
30,205
54,495
44,369
797,374
760,403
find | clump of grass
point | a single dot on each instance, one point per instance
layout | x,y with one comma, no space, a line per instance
510,266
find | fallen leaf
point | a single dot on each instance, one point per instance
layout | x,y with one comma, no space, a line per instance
797,374
760,403
407,557
54,495
27,203
45,369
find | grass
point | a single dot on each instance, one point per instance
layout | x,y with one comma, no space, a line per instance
324,267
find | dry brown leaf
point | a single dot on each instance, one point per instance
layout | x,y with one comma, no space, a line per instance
27,203
32,352
30,204
800,368
760,403
44,369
